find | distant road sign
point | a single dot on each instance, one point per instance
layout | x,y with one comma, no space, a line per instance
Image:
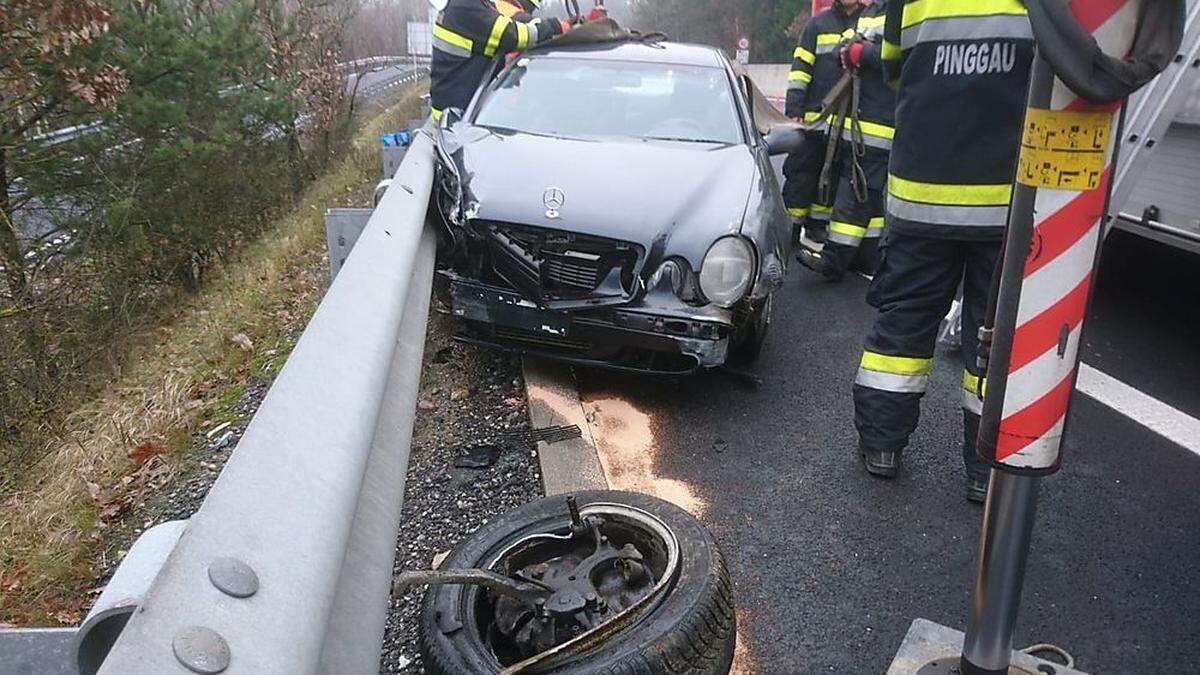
744,43
743,56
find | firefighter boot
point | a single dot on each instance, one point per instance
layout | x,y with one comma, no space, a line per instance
813,261
881,463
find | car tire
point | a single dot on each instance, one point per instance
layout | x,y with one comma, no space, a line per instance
690,630
754,333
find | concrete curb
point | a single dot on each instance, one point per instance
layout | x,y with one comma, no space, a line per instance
571,465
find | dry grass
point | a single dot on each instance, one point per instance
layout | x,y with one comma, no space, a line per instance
180,377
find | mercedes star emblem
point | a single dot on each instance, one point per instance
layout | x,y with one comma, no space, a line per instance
554,199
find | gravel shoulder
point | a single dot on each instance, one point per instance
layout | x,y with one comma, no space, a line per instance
468,397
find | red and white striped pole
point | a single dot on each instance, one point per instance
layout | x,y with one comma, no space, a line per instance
1051,251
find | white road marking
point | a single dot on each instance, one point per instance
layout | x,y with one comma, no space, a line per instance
1173,425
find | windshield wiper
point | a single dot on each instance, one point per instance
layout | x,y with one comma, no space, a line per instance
508,130
684,140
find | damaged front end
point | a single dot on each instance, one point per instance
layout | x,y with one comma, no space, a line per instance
605,294
579,299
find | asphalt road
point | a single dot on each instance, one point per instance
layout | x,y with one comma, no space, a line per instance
831,566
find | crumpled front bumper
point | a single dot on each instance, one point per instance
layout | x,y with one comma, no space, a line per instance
657,333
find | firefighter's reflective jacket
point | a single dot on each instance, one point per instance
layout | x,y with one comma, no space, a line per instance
877,105
815,63
466,38
962,72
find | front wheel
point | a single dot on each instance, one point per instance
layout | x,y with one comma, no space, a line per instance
754,333
642,554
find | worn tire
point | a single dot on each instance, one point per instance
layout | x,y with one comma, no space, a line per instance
691,631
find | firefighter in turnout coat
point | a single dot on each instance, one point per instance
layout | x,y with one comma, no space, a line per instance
961,70
816,67
467,37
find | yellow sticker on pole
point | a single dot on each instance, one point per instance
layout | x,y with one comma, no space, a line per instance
1064,150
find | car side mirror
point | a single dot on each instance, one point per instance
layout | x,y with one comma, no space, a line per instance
783,139
451,116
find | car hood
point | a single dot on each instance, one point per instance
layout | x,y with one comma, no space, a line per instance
672,198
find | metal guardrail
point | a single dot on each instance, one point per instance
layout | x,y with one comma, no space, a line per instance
286,567
407,77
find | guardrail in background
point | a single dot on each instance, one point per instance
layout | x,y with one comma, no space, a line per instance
287,565
409,76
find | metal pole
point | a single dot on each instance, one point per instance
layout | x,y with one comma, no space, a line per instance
1012,499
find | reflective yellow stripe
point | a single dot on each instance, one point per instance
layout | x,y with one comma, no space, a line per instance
922,10
497,32
821,208
956,195
875,223
805,55
891,51
867,22
812,116
974,383
799,76
896,365
437,115
871,128
443,33
797,212
522,36
848,229
834,38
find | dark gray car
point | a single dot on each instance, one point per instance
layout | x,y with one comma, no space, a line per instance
613,205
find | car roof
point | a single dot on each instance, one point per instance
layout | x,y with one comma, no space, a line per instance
676,53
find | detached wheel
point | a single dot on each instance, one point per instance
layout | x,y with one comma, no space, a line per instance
754,333
632,585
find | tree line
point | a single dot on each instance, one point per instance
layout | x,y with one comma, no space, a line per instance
142,141
772,26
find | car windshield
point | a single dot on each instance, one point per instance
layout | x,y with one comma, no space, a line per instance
583,98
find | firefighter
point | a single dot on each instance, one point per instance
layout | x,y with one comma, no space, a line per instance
815,69
961,72
467,37
857,221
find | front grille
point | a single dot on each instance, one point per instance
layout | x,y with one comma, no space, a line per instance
554,265
540,339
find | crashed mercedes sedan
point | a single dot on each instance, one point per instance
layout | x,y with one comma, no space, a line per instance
613,205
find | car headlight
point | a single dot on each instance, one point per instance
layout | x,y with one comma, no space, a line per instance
728,271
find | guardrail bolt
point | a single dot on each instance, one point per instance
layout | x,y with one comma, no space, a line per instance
233,577
201,650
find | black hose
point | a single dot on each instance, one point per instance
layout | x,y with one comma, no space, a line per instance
1093,75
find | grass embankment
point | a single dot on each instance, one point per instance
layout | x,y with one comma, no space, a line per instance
183,376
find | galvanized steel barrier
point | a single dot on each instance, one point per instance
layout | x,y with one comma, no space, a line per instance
286,567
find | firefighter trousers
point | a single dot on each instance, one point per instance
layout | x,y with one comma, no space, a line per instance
801,171
917,281
856,225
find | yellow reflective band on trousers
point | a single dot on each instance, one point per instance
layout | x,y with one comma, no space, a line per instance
923,10
805,55
798,211
974,388
497,32
846,234
875,228
820,212
949,194
848,229
897,374
799,76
